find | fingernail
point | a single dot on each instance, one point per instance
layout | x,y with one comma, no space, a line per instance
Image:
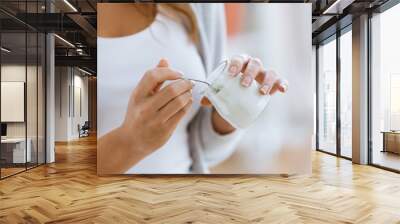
246,81
180,73
265,89
233,70
193,83
285,87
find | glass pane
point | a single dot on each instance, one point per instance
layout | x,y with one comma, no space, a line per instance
31,100
13,86
386,89
346,93
23,90
41,98
327,97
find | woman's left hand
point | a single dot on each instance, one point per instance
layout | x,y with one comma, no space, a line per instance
252,70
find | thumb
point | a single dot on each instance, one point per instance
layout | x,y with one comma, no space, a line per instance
163,63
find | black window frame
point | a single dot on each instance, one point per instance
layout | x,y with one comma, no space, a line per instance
334,37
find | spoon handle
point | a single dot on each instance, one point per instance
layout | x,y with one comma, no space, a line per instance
196,80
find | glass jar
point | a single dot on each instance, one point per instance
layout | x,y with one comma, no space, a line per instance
238,105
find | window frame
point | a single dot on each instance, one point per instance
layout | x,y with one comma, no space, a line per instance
334,37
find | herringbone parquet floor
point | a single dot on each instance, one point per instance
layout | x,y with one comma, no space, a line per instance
70,192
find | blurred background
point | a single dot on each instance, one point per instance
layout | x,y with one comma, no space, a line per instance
280,35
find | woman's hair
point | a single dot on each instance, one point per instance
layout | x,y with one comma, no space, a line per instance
182,11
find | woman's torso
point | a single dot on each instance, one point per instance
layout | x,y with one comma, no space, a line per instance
122,62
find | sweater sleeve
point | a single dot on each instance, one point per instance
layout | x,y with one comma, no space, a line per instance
216,147
210,147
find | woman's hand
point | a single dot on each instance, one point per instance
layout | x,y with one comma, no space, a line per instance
152,116
252,70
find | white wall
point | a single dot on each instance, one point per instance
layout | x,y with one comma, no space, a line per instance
79,117
70,83
11,73
14,73
61,102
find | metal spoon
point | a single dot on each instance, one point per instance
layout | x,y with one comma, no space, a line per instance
196,80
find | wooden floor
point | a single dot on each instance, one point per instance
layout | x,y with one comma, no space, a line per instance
5,172
70,192
387,159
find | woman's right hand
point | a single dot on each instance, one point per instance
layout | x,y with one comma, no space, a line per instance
154,113
151,117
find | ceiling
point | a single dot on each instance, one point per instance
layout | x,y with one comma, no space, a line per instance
72,20
329,16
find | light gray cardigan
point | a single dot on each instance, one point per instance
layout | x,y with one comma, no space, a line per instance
209,148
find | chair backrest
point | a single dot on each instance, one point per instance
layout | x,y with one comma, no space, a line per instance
86,124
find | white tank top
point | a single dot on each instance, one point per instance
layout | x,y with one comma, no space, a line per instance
121,63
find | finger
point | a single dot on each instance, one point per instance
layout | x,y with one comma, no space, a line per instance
171,91
260,78
237,63
174,120
163,63
269,82
281,85
252,70
153,78
175,105
205,102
